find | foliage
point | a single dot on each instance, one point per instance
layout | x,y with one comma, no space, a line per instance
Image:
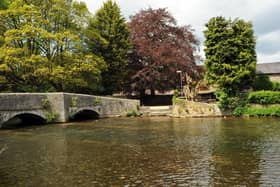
175,96
262,82
238,111
133,114
268,111
74,101
4,4
230,54
227,101
264,97
160,48
97,101
43,50
45,103
275,86
108,36
259,97
51,116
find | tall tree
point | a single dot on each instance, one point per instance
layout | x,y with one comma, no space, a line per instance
4,4
160,48
108,36
230,54
43,50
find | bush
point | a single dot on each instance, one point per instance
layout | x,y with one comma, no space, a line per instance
275,86
133,114
175,96
51,116
238,111
262,82
264,97
269,111
231,102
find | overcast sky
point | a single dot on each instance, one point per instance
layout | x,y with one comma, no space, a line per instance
265,15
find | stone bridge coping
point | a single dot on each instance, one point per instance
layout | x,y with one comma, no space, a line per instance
70,94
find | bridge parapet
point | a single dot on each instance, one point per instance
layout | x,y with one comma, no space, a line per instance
61,107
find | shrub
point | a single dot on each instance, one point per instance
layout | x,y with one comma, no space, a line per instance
175,96
238,111
133,114
269,111
51,116
231,102
264,97
45,103
275,86
74,101
262,82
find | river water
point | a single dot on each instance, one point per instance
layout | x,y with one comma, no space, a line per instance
143,152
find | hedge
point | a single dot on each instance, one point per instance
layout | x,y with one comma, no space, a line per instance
264,97
269,111
275,86
263,82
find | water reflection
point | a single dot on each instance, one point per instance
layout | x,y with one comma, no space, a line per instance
236,155
143,152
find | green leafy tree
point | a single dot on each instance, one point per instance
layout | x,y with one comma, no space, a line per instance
230,55
108,36
43,49
4,4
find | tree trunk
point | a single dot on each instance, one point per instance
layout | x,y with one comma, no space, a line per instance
153,92
142,93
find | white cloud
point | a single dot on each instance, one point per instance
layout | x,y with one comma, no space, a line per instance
265,58
198,12
269,43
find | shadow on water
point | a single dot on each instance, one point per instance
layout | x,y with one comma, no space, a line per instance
85,115
23,120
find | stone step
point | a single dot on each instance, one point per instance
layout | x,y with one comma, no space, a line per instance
156,110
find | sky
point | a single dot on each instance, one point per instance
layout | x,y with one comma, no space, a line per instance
264,14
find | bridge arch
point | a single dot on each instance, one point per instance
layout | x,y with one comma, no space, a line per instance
85,114
21,119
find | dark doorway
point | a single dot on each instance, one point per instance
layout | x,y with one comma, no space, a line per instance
156,100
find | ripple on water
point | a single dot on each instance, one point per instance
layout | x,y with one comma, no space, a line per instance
144,152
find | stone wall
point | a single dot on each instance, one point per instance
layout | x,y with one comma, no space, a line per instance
264,105
184,108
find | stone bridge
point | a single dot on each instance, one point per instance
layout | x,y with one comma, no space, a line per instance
61,107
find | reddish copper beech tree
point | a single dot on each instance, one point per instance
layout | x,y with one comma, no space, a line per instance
160,48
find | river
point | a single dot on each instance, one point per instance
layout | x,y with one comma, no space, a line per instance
143,152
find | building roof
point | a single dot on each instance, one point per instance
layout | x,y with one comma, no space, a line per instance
268,68
262,68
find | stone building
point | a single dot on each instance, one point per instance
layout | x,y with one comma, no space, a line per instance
272,70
